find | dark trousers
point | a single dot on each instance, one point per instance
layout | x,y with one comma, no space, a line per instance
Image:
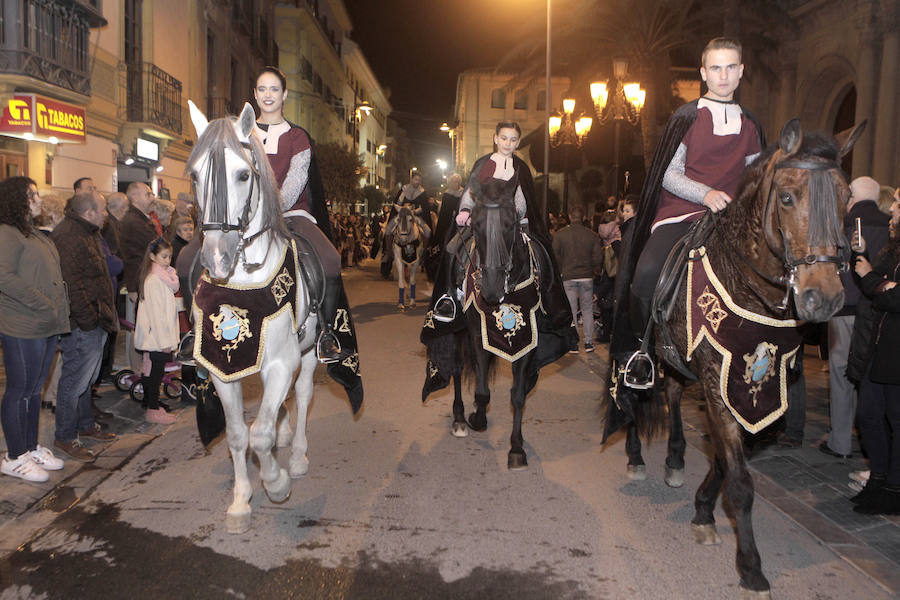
795,415
27,362
648,269
878,418
151,382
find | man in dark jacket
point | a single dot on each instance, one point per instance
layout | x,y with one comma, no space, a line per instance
136,231
863,205
580,255
92,314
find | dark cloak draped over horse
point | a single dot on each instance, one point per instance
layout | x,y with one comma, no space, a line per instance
726,311
507,294
252,305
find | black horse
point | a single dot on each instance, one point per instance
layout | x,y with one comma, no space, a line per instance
780,240
508,274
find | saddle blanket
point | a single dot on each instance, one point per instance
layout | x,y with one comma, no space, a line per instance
509,329
231,321
756,350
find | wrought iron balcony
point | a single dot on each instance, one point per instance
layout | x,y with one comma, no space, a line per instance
152,96
48,40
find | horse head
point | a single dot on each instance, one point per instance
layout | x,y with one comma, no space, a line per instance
496,230
405,229
805,195
235,189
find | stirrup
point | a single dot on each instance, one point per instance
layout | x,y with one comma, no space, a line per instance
441,317
638,360
337,344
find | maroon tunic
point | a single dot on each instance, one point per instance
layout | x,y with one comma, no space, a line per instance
713,160
290,143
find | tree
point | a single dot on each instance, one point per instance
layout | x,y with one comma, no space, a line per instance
375,199
340,170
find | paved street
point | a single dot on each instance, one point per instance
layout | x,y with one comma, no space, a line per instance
395,507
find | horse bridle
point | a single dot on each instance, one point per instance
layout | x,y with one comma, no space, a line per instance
789,261
507,268
241,227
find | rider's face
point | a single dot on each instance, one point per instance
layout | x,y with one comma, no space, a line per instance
507,140
269,95
722,71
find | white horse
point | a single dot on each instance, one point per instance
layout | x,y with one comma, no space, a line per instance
409,236
244,245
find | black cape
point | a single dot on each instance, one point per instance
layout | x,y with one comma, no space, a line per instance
623,342
556,329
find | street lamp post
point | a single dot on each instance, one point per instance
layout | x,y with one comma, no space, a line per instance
567,131
625,105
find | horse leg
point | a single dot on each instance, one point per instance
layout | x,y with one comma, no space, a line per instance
237,518
413,271
636,468
478,419
401,279
675,460
276,377
739,492
459,428
517,460
303,390
703,525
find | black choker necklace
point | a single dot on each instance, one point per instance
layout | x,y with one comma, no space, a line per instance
719,101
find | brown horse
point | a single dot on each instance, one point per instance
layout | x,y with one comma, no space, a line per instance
773,256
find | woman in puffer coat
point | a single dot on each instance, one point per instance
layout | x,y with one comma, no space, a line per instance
876,339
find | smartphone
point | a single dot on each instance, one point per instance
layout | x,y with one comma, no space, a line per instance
859,231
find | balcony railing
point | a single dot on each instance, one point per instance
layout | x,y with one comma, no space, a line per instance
47,40
152,96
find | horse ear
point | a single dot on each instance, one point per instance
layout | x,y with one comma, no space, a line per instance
848,137
246,122
197,118
791,137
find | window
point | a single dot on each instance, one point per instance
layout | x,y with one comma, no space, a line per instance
542,100
498,98
521,100
307,69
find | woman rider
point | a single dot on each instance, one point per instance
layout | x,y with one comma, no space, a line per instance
290,153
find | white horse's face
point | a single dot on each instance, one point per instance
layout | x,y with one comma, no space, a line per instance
226,194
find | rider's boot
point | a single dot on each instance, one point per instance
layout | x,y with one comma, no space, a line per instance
639,369
328,347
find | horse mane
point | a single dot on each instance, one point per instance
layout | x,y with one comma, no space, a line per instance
824,224
219,135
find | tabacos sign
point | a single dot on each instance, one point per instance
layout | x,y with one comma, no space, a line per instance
31,116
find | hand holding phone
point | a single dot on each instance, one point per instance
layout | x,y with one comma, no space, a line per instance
858,243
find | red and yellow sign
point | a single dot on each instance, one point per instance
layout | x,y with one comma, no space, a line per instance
31,116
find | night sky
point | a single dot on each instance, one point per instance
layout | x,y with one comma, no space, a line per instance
417,48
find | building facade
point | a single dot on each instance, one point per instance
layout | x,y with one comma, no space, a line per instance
121,64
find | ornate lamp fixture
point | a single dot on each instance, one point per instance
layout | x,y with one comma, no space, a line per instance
627,98
565,129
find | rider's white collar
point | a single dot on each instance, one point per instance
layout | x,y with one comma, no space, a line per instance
726,118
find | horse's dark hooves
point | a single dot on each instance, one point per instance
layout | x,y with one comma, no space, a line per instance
706,534
478,421
637,472
674,477
516,461
459,429
755,594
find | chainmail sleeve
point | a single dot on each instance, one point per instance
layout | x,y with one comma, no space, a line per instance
677,183
295,181
466,202
521,204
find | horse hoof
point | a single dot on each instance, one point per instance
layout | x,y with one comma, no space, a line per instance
674,477
478,421
516,461
299,467
280,489
459,429
755,594
237,522
705,535
412,304
401,307
637,472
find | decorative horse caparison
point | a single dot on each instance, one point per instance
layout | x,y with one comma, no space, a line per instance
781,238
506,267
245,246
408,237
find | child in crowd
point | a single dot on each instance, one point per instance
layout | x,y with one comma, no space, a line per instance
156,331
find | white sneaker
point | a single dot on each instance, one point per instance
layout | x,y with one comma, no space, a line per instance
24,468
45,459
